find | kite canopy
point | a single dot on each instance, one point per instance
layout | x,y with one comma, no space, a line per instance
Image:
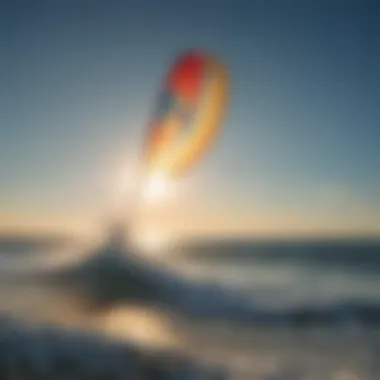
188,115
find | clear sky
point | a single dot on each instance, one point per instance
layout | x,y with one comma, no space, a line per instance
299,150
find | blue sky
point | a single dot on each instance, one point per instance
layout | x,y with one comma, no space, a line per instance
299,150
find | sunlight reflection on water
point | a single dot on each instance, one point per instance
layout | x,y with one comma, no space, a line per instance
248,349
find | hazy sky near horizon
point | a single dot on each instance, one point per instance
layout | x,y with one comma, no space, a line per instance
299,150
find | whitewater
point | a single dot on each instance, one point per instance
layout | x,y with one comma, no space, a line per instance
218,313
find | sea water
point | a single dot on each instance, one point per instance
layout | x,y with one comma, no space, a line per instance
319,304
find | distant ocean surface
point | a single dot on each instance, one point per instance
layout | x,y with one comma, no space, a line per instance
319,301
289,273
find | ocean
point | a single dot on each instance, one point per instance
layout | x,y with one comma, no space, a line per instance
263,310
310,275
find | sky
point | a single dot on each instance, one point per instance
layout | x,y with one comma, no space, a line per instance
298,154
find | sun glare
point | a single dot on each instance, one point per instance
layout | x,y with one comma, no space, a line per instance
157,187
152,242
